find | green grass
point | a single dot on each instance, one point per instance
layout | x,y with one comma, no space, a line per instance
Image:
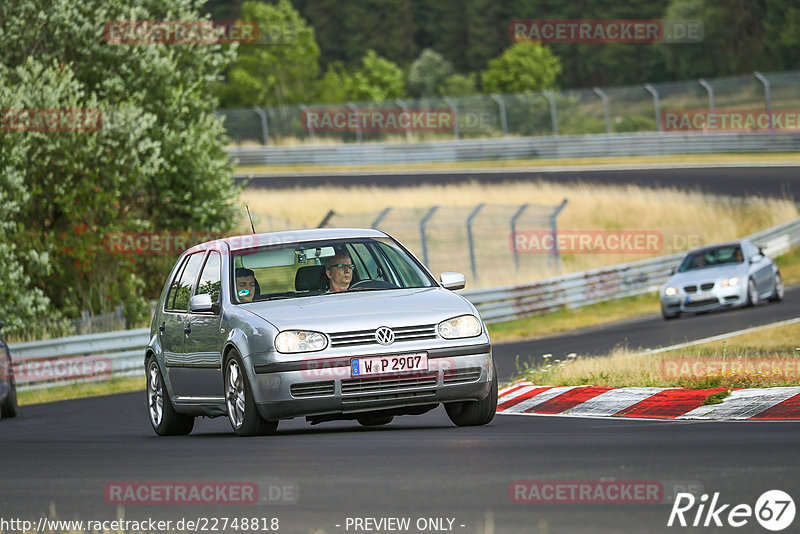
84,389
717,398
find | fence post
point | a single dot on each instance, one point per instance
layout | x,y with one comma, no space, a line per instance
383,214
599,92
352,106
710,90
516,216
449,101
652,90
502,105
470,241
310,126
555,255
767,98
264,125
553,117
422,224
327,219
404,107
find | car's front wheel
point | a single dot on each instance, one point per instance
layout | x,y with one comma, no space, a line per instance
165,420
472,413
241,406
778,291
9,406
752,293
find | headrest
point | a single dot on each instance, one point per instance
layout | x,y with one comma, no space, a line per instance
310,278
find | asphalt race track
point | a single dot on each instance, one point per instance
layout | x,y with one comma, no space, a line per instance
58,460
646,332
61,456
735,181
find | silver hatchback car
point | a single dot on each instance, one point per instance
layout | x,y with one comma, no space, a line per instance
324,324
730,275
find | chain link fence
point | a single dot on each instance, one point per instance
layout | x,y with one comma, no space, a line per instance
476,240
543,113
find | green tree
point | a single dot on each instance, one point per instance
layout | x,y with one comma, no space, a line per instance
155,164
427,74
522,67
279,73
377,79
459,85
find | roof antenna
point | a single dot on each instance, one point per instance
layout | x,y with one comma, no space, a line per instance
250,217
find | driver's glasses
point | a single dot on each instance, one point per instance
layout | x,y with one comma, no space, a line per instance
346,267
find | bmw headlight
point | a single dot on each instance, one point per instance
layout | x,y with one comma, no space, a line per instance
461,326
730,282
670,291
290,341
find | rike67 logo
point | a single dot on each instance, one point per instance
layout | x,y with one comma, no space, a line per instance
774,510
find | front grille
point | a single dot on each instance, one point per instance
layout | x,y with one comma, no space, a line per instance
690,289
313,389
367,337
700,303
462,376
388,388
707,286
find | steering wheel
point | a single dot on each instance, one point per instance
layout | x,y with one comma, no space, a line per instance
372,283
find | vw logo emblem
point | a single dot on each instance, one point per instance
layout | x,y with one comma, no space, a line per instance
384,335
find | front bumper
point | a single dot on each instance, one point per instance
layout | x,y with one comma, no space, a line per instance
295,390
718,297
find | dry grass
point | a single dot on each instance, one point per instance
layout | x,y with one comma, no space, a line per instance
701,219
765,358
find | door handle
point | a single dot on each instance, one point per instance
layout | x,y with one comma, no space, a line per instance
188,329
162,327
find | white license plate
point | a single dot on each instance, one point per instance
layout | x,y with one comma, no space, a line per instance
700,296
394,363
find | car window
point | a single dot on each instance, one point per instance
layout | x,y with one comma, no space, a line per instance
712,257
183,290
380,264
210,277
174,285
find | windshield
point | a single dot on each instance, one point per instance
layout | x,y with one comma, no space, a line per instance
324,267
712,258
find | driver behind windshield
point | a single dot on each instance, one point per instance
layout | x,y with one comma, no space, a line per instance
339,270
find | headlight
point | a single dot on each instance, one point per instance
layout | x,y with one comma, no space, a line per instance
300,341
730,282
462,326
670,291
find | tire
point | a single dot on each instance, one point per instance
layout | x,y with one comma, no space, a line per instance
239,402
472,413
752,294
9,407
163,417
778,292
375,420
669,316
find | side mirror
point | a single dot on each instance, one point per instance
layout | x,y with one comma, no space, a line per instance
201,303
670,272
756,257
452,281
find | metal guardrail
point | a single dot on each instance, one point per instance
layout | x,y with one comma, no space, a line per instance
42,364
579,146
